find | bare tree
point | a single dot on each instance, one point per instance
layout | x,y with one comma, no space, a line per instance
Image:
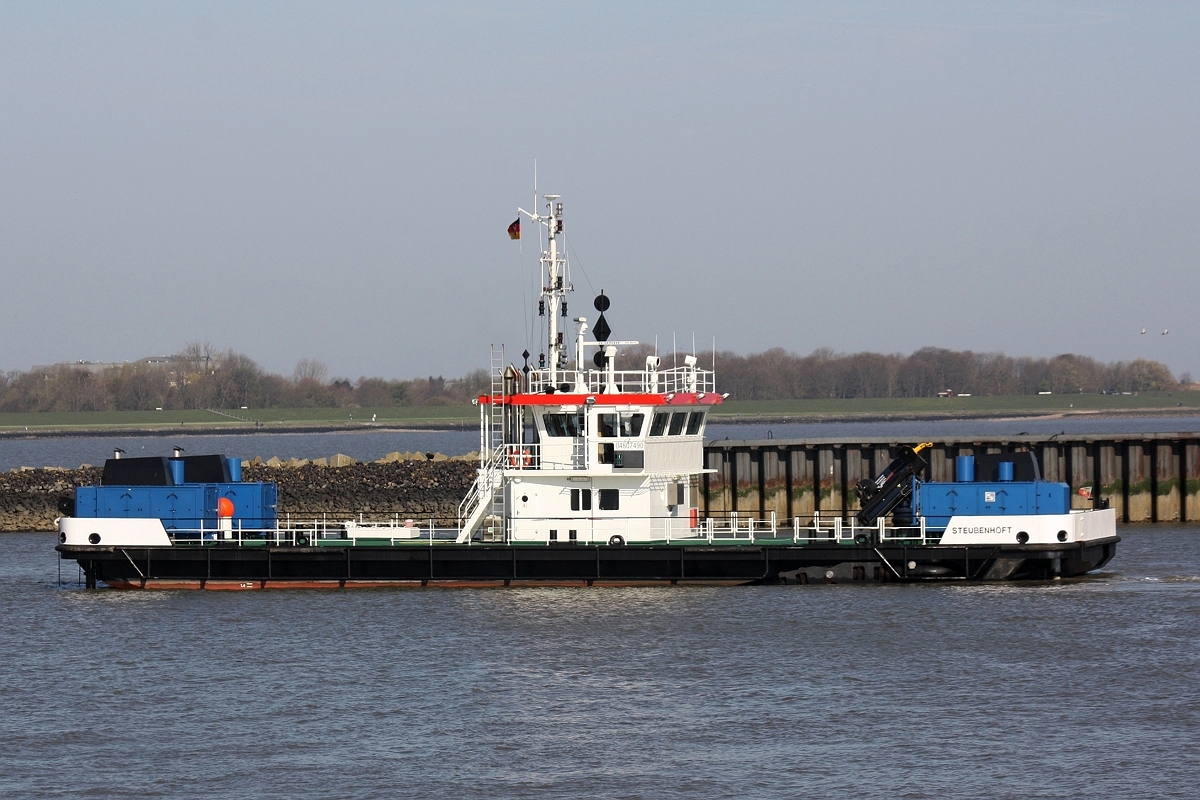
310,369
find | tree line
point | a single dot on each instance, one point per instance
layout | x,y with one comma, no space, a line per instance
203,377
779,375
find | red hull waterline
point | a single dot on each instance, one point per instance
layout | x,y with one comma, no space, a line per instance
167,584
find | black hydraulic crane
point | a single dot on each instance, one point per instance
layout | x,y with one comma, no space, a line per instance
881,496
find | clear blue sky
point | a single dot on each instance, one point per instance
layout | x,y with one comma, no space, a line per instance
334,181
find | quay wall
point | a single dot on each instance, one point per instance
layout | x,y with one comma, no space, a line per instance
1145,477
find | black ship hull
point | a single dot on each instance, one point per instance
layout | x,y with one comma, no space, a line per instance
228,566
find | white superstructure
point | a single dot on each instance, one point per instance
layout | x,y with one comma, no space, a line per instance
574,450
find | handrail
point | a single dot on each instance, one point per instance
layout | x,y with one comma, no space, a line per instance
672,379
714,528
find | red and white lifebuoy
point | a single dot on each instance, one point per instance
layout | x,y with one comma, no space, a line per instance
520,458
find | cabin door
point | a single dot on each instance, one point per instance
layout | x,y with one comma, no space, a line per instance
580,529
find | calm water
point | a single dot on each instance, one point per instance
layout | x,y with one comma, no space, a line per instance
368,446
1087,688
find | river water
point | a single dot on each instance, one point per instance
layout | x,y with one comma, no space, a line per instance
1083,688
71,451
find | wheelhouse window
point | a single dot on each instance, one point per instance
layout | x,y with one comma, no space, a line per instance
658,427
563,424
606,425
695,423
631,424
610,499
677,422
626,424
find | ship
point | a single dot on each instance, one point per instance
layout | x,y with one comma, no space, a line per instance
589,475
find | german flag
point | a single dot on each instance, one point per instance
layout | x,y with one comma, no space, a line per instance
514,230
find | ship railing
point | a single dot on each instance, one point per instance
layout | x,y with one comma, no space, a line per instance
486,483
736,526
680,528
530,456
836,529
665,381
329,528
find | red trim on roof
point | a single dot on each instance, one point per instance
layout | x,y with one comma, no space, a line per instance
631,399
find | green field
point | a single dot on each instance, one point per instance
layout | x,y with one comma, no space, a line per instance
468,416
243,418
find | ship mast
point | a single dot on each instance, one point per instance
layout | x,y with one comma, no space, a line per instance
556,282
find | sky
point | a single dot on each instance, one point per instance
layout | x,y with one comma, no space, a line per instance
334,181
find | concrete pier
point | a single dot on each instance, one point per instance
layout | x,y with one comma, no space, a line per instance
1145,477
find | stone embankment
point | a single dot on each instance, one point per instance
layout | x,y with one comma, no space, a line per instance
410,486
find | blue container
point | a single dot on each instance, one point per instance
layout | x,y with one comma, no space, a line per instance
1004,471
938,502
187,507
964,469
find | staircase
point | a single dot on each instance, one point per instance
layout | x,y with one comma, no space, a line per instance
486,498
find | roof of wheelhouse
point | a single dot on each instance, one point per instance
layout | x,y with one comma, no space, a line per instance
599,399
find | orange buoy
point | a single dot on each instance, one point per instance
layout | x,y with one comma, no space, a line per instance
224,507
694,515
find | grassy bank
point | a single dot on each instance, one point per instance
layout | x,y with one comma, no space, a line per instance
250,419
467,416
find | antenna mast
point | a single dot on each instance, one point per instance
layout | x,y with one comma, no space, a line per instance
556,283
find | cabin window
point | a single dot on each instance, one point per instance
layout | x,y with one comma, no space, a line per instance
581,499
610,499
677,421
529,423
606,425
631,424
659,426
695,423
626,424
563,424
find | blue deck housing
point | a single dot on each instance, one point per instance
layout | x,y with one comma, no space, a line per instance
155,488
996,494
938,502
186,507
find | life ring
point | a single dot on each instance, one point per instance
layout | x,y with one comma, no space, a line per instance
616,540
694,517
521,458
301,540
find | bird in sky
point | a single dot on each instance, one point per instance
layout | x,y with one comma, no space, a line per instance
1165,332
1143,331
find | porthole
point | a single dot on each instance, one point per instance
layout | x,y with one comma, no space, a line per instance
94,538
1062,536
1022,537
524,498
